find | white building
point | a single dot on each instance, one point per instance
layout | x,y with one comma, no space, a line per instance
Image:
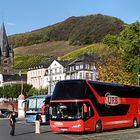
48,74
56,72
35,77
36,74
82,68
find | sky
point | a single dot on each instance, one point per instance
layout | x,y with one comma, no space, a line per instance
20,16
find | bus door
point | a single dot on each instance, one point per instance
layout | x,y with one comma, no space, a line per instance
88,115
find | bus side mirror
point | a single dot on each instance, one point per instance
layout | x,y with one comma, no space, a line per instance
85,108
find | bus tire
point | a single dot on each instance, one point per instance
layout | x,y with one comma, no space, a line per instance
135,123
98,127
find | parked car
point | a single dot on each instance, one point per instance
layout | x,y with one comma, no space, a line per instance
5,113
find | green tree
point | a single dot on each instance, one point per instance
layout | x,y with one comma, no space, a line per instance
130,49
111,40
34,91
14,90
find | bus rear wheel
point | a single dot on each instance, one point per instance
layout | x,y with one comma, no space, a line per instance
98,127
135,123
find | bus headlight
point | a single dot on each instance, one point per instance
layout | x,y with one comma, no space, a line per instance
76,126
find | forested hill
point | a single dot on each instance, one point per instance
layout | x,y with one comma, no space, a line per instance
76,30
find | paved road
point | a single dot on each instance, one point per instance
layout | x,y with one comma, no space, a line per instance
25,131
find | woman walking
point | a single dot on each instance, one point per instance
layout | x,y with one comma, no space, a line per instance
12,123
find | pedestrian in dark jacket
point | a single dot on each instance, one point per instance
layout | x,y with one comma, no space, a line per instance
12,123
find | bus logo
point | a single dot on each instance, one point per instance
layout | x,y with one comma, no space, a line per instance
111,100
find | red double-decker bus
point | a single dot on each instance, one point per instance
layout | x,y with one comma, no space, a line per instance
81,105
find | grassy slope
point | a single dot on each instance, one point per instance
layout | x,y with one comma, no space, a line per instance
57,48
93,48
34,54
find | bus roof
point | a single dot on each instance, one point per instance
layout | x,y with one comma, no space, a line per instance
77,89
101,83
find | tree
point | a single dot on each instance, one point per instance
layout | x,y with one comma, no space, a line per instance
127,45
34,91
111,40
14,90
112,70
130,48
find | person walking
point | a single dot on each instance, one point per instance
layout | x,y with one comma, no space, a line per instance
12,123
37,123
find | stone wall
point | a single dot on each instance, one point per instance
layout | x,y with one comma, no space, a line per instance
10,106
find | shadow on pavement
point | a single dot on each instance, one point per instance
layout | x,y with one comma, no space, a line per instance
26,133
45,132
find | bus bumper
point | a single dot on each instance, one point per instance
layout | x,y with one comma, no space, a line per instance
67,126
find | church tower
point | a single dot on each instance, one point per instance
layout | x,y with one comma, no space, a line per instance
6,54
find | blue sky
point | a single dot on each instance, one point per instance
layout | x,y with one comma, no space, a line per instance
22,16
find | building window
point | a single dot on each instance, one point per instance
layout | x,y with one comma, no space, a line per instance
91,76
71,68
77,67
92,67
87,66
87,75
59,77
5,71
55,71
5,62
80,75
60,70
81,66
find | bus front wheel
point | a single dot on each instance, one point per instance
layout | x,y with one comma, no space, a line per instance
98,127
135,123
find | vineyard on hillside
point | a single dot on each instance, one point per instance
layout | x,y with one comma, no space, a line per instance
24,62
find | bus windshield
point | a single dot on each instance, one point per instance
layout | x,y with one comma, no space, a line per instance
34,104
68,111
37,104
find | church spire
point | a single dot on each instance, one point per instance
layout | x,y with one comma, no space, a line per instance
4,45
6,53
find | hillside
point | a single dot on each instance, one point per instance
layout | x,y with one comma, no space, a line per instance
55,48
37,53
117,49
76,30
